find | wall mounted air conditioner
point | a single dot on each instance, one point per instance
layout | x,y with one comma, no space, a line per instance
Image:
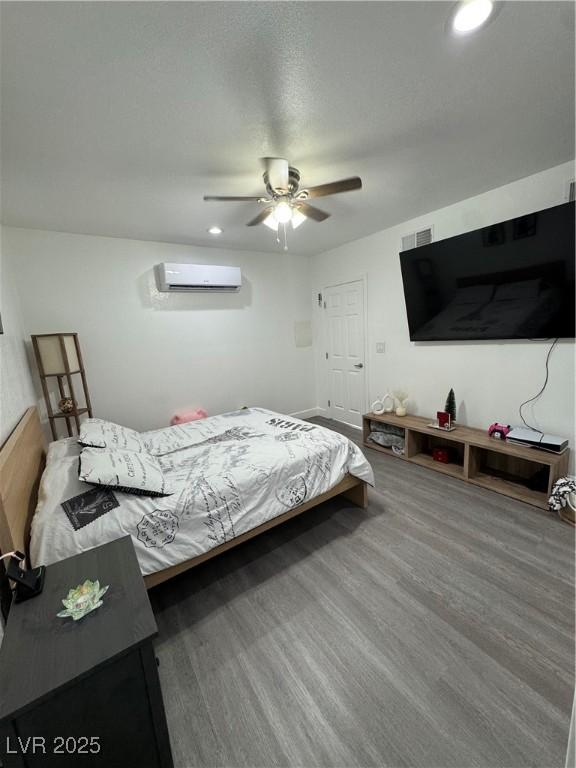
198,277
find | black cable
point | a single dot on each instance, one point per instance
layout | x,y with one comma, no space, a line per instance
5,595
541,390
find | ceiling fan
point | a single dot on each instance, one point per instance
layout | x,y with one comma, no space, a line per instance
285,202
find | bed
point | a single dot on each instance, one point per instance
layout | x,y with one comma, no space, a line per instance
235,475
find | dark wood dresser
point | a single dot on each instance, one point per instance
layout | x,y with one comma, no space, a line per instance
87,692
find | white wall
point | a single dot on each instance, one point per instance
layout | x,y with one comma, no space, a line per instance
16,389
490,379
147,353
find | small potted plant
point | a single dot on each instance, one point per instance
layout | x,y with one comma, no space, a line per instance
401,398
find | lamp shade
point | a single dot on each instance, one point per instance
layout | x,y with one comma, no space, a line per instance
297,218
271,223
58,353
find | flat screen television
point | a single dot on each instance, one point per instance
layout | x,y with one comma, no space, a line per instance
512,280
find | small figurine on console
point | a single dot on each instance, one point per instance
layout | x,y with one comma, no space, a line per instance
444,420
401,398
499,431
450,406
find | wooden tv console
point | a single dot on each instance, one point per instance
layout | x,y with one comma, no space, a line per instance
476,458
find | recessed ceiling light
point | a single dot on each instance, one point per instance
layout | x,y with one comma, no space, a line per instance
215,231
471,14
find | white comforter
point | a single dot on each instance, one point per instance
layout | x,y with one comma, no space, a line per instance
232,473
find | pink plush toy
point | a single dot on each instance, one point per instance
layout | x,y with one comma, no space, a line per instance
183,416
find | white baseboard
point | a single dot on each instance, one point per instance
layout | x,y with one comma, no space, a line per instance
324,412
352,426
307,414
310,412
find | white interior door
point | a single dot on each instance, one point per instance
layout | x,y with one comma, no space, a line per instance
345,325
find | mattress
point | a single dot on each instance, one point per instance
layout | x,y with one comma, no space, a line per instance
231,473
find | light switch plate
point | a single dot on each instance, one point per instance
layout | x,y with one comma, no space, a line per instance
380,347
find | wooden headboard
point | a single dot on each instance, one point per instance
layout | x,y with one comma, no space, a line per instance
21,465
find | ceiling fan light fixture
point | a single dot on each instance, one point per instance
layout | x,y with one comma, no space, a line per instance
282,212
271,223
287,204
470,15
297,218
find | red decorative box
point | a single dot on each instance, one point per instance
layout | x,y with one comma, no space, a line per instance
441,454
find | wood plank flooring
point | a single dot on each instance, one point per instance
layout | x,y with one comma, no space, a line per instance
434,629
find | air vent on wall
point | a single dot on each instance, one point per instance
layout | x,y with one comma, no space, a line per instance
416,239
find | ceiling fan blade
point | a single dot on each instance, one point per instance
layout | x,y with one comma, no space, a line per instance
312,213
232,198
261,216
344,185
277,171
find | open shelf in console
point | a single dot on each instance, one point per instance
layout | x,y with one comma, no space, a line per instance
420,449
367,431
521,478
426,460
527,474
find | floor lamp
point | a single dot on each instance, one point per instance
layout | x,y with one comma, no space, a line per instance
58,356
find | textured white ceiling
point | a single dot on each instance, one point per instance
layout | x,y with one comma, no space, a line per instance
118,117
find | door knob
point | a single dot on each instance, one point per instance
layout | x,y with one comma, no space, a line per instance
359,365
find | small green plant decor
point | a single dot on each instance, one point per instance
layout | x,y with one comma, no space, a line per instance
450,406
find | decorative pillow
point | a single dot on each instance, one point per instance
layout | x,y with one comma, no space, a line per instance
97,433
126,471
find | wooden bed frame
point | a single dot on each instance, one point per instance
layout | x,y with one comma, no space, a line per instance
22,459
